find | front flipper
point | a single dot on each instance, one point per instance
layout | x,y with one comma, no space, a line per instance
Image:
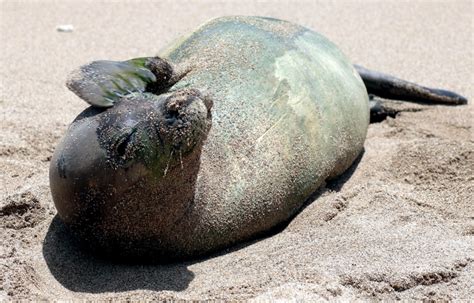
102,83
389,87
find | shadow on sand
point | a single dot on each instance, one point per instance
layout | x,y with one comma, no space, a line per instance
80,271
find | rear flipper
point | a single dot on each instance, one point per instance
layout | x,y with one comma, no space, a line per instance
389,87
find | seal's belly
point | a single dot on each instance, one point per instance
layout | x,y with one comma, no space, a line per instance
289,112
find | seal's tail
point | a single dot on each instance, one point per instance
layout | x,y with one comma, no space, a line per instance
389,87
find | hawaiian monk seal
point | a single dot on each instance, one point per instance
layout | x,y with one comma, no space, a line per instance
221,138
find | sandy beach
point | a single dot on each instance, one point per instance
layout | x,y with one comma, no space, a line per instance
398,225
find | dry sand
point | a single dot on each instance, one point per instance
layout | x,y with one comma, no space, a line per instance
398,225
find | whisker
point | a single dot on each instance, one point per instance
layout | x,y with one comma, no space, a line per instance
168,164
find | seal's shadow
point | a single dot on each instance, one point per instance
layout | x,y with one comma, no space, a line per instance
81,272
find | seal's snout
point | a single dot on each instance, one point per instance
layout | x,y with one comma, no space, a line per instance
187,117
188,105
182,99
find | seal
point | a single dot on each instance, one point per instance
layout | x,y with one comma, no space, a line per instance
216,141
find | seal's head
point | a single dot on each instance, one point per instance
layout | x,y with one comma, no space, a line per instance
123,175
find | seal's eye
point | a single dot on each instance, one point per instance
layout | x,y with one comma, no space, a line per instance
124,148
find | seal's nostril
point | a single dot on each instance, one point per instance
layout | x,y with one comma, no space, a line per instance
125,146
